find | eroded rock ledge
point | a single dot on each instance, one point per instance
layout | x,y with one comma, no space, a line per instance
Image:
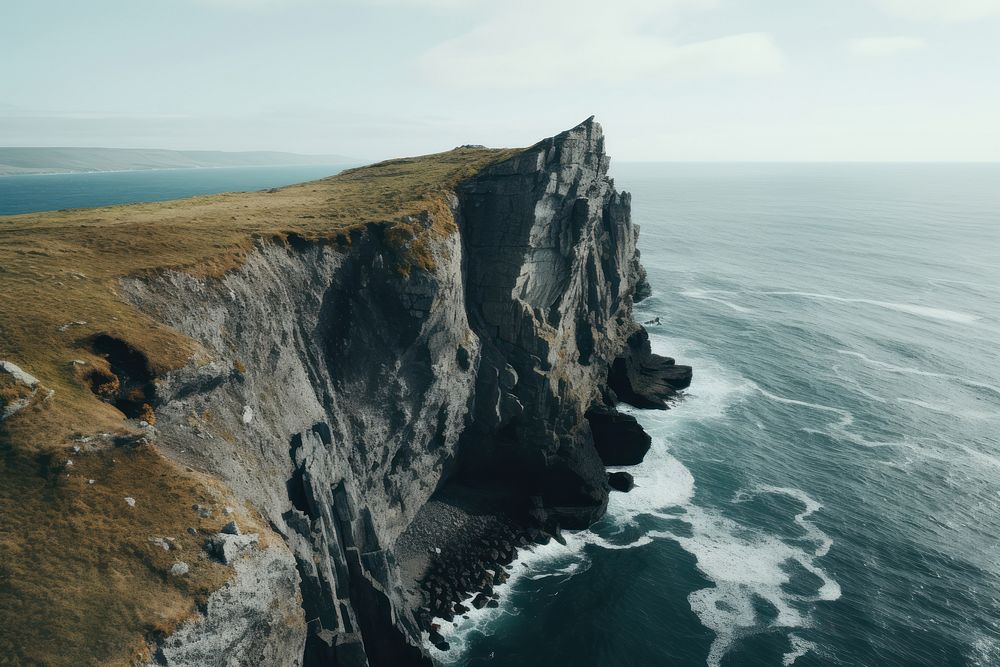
354,406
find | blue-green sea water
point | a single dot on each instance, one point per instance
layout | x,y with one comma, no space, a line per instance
828,491
50,192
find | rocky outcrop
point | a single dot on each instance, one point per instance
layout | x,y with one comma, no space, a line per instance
618,437
552,265
18,389
336,394
621,481
253,620
644,379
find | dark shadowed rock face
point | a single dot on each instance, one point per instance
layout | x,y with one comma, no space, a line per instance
618,438
336,396
643,379
551,268
621,481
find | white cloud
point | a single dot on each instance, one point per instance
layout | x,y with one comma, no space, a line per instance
884,46
950,11
528,45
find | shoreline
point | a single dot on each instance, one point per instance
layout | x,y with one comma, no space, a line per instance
459,552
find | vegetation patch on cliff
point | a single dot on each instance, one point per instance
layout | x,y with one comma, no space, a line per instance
90,538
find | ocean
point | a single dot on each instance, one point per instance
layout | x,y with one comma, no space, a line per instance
49,192
828,490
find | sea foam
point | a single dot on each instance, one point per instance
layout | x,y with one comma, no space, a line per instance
910,309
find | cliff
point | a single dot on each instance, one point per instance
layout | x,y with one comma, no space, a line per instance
242,430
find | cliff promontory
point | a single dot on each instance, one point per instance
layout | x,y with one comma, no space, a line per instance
293,427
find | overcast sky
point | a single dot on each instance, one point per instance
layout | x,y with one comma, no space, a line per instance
668,79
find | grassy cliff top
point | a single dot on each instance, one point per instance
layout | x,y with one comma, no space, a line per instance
81,493
59,270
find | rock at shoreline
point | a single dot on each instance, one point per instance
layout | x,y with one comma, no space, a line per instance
618,437
621,481
643,379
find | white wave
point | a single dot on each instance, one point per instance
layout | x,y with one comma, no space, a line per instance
945,410
981,457
968,283
910,309
985,652
666,482
533,562
811,507
906,370
798,649
857,385
846,418
745,565
704,295
892,368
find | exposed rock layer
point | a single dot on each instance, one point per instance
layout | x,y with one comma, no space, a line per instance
341,394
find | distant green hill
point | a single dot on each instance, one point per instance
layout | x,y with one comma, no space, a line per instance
59,160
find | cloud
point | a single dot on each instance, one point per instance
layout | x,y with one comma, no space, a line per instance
531,45
949,11
884,46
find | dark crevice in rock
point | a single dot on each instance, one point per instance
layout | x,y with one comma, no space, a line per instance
296,484
322,430
129,384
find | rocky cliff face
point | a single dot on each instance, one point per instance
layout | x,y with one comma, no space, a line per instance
551,266
342,393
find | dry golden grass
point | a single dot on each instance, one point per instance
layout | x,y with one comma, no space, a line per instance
79,582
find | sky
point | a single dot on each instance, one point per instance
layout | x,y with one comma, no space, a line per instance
895,80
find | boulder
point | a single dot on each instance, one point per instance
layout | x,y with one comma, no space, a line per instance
228,548
618,437
17,389
621,481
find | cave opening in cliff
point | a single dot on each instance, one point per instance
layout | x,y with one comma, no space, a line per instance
127,381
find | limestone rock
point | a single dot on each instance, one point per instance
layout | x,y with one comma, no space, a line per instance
228,548
254,619
18,389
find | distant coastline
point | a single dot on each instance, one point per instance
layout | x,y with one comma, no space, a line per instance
29,193
7,174
36,161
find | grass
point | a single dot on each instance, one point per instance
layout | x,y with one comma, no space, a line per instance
79,582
